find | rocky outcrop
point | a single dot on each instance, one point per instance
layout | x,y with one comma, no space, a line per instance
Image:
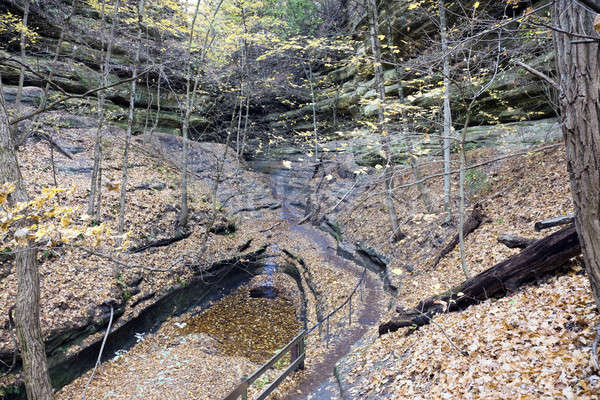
78,71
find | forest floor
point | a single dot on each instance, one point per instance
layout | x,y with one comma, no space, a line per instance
78,288
534,343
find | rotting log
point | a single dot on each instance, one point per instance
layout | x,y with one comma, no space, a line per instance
475,219
515,242
552,222
544,256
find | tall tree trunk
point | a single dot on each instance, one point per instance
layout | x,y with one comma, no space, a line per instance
27,307
95,190
155,123
414,161
371,8
22,46
579,72
314,110
190,100
182,219
447,125
245,132
140,12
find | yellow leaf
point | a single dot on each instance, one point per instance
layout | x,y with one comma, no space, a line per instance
65,221
476,5
112,186
412,6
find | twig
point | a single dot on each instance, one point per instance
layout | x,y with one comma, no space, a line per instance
11,324
463,352
537,73
116,260
74,96
344,197
29,69
269,228
99,354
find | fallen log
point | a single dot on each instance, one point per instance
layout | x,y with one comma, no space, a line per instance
159,242
544,256
515,242
472,223
52,142
552,222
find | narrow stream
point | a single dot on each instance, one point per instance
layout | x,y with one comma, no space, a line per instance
241,307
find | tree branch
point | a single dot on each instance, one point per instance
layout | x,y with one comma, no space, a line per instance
537,73
591,5
75,96
493,160
116,260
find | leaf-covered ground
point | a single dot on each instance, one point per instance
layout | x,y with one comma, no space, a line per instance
532,344
535,343
77,287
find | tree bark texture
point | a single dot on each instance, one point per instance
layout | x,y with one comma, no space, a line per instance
134,75
96,180
515,242
544,256
22,47
27,307
447,112
579,79
371,8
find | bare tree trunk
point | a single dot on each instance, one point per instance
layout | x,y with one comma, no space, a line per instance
239,124
371,8
61,38
140,12
462,142
95,190
155,124
414,161
579,71
44,99
22,46
27,308
461,184
53,164
190,91
248,90
314,110
190,99
245,134
98,194
447,126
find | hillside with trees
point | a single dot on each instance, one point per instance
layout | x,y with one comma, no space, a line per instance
303,199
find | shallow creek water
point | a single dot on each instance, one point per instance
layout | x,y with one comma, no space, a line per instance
254,328
249,325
